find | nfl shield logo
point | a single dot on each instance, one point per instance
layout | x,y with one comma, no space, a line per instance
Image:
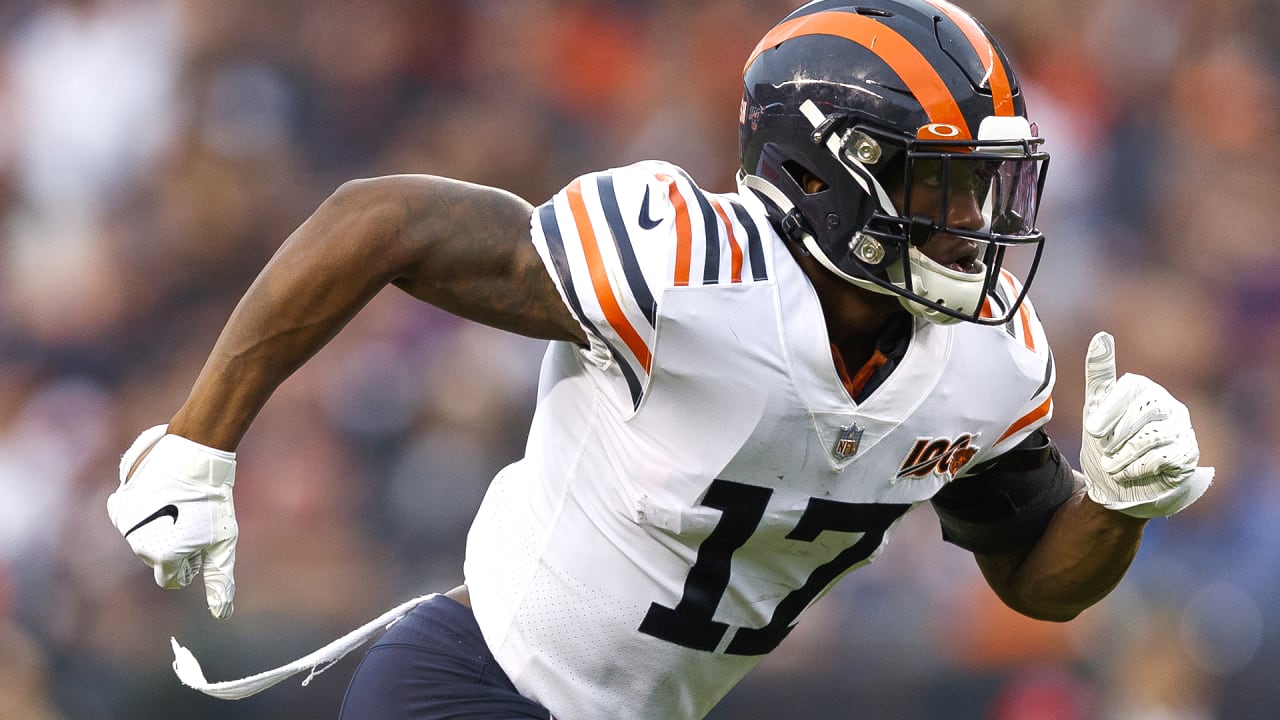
848,440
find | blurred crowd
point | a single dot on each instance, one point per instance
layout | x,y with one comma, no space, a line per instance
154,153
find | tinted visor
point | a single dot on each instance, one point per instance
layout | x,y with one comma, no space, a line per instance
1014,197
1004,178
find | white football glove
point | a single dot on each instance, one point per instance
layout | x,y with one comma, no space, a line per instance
1138,449
176,512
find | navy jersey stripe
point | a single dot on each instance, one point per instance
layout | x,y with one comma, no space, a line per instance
1000,298
1048,375
622,241
754,249
555,246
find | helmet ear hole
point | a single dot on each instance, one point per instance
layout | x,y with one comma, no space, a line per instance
807,181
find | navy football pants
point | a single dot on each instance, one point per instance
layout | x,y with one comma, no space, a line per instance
434,665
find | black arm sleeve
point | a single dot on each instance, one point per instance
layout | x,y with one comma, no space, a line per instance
1006,503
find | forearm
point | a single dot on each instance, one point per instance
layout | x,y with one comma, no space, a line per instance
1081,557
328,269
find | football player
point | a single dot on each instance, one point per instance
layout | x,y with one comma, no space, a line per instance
742,396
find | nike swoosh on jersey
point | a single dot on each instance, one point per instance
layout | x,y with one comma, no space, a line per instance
169,510
646,222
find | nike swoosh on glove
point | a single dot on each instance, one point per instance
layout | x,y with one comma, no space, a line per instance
177,513
1138,450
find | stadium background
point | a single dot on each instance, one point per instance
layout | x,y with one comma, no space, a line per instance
153,153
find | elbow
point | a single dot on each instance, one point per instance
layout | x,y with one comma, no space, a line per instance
1041,601
1046,608
363,189
354,237
372,199
364,220
395,212
1048,613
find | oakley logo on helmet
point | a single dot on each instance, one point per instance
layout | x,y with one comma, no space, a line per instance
939,131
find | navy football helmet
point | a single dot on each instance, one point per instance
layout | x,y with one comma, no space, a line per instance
849,108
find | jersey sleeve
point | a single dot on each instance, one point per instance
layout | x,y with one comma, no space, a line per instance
1029,343
616,241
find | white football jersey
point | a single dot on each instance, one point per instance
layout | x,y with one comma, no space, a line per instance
699,476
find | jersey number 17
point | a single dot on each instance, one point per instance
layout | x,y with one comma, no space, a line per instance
742,507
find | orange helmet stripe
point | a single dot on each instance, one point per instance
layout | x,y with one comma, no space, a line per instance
997,77
921,79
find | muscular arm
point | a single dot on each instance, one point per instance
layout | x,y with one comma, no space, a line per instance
1077,561
462,247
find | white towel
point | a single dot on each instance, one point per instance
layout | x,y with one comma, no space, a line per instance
189,672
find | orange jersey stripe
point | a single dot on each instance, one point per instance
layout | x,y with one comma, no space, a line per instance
997,77
735,249
902,57
1045,408
1024,310
600,278
684,232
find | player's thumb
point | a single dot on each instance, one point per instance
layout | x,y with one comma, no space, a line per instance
1099,369
219,578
